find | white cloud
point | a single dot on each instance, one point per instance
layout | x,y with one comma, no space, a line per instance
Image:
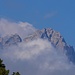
21,28
37,57
28,50
49,15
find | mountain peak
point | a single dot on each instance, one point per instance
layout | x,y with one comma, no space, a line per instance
56,39
48,34
10,40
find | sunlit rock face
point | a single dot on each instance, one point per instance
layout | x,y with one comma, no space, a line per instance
49,34
55,39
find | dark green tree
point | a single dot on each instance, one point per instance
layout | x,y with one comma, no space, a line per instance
3,70
16,73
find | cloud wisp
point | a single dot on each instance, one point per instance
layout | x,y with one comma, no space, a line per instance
50,15
21,28
36,57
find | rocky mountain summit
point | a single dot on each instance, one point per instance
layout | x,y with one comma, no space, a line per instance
10,40
56,40
49,34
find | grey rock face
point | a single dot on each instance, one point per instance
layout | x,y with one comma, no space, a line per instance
56,40
54,37
49,34
10,40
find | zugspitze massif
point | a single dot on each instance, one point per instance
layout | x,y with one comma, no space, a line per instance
32,51
48,34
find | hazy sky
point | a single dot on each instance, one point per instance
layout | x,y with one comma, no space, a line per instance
57,14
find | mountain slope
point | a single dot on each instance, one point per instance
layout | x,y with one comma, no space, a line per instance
49,34
10,40
56,40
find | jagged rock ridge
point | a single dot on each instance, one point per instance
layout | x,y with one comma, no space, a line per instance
49,34
56,40
10,40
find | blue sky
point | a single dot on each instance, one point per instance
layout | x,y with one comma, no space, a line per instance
56,14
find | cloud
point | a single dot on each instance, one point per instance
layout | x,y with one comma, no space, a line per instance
21,28
36,57
27,50
49,15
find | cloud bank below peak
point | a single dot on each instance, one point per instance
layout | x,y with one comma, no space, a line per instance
37,57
